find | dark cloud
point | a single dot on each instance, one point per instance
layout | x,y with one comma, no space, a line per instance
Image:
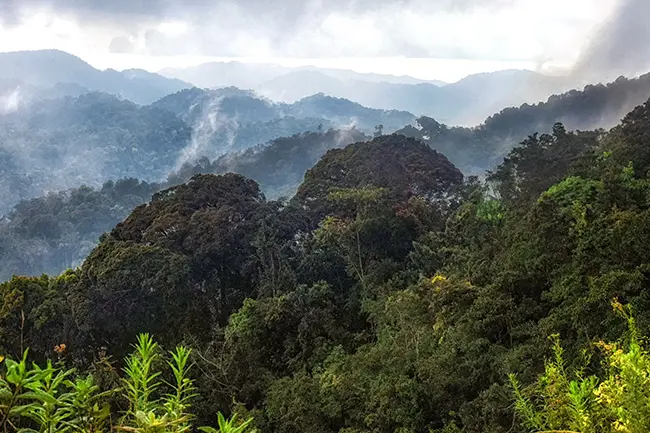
283,10
621,46
92,8
8,14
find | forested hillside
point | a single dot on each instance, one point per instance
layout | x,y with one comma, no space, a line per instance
49,141
481,148
390,295
231,119
149,143
52,142
278,166
57,231
63,143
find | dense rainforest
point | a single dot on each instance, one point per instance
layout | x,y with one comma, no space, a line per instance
390,294
56,231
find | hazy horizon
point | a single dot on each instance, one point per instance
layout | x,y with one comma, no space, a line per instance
424,69
437,40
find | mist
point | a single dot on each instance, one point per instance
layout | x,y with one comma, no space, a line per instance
10,101
620,47
212,123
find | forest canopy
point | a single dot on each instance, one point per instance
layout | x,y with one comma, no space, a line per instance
219,259
392,294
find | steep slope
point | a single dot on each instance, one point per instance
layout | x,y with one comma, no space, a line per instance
47,68
595,106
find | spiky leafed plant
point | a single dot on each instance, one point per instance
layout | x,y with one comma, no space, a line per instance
149,413
228,426
49,400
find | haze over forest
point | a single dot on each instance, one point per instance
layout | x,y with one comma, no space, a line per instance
346,216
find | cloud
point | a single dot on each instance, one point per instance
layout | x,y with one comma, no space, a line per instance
271,20
621,46
513,30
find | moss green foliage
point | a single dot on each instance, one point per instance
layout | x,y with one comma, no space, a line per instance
279,166
389,296
404,166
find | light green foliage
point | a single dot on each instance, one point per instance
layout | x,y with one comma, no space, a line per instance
618,400
231,425
148,412
141,379
50,398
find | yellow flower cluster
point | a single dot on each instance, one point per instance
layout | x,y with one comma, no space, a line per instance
438,279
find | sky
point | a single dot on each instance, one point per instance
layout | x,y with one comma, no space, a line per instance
429,39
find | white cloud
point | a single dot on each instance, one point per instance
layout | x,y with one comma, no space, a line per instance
473,33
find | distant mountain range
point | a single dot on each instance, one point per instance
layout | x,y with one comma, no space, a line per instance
57,131
49,68
52,141
467,102
253,75
480,148
231,119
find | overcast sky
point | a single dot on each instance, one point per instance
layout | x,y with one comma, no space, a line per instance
434,39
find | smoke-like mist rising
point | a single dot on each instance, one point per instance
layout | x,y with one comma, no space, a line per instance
212,124
10,101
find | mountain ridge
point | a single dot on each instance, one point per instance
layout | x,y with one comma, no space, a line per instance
47,68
